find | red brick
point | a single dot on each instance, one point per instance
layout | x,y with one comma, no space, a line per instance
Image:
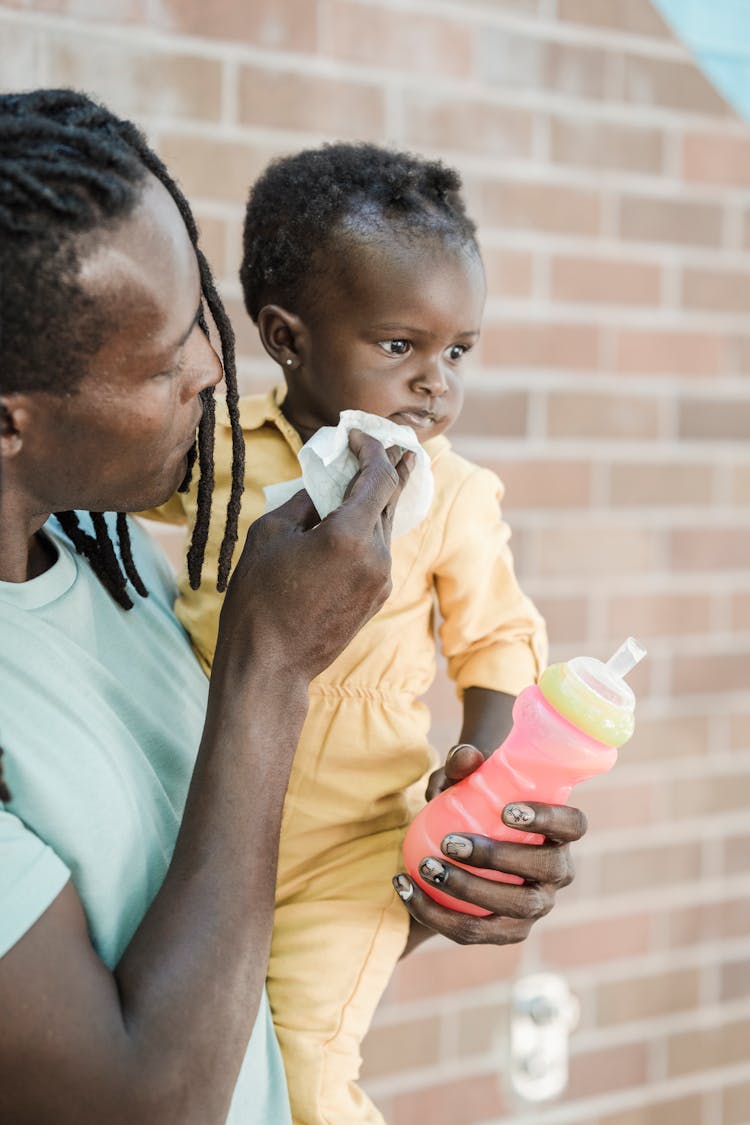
138,83
553,208
601,415
606,147
585,550
406,1045
637,17
671,738
665,219
494,413
717,160
612,804
455,969
683,1111
214,169
277,24
465,1100
613,1068
660,484
740,731
545,483
119,11
740,613
566,617
480,1027
592,943
531,344
648,997
670,84
710,1047
711,672
709,795
517,61
661,352
722,290
650,866
213,243
510,273
603,280
658,615
735,980
477,126
413,43
715,921
711,548
735,1101
721,419
285,99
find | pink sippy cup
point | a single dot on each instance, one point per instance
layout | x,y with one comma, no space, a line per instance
565,729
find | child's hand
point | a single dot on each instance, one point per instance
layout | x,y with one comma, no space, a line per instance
460,761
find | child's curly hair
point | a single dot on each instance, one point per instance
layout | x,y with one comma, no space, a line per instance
302,202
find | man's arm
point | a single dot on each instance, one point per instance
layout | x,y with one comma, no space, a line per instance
161,1039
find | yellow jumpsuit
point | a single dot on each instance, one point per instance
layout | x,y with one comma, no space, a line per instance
359,772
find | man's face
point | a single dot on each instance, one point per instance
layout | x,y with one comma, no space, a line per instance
119,441
389,337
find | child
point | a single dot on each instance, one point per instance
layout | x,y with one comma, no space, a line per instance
363,275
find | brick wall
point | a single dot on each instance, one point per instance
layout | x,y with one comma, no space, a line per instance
613,189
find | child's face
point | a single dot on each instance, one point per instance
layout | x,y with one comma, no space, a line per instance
389,338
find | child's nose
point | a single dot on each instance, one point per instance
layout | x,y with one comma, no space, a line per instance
431,379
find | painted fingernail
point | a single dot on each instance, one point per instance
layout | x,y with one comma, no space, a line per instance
404,887
457,847
433,870
518,814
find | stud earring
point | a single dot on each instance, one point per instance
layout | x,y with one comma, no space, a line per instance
289,362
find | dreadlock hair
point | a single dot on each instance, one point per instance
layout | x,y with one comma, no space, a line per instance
303,203
69,169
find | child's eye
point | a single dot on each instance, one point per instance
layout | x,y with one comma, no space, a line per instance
395,347
455,351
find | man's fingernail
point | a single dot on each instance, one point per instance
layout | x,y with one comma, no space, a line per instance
457,847
518,814
433,870
404,887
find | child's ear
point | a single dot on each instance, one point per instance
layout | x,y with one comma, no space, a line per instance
283,335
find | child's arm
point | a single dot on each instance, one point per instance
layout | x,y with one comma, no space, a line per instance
488,717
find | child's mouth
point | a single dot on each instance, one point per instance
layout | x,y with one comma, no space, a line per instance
417,419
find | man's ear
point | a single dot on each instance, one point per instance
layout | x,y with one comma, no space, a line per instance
284,336
15,418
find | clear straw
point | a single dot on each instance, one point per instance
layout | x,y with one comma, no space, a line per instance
625,659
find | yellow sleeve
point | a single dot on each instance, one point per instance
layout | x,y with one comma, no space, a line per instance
492,635
171,512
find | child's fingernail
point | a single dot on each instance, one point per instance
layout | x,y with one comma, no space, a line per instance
457,847
455,749
404,887
518,814
433,870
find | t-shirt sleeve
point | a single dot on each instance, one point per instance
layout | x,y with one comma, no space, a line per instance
31,877
492,635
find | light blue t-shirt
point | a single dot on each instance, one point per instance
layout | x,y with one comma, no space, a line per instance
101,714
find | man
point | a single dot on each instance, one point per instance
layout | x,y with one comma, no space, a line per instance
139,831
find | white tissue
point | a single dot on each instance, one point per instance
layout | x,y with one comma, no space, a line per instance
328,466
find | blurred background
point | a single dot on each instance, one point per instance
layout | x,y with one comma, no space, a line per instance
611,181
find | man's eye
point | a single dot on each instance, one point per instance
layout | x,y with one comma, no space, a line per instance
395,347
456,351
